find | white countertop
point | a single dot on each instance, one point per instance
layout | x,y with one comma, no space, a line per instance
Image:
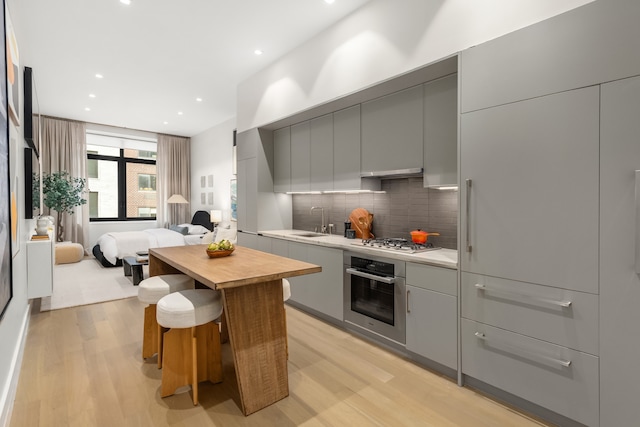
441,257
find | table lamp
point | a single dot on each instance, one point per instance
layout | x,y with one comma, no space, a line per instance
215,216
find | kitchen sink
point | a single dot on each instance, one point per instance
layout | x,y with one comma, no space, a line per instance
308,234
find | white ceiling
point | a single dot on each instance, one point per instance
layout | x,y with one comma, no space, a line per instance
158,56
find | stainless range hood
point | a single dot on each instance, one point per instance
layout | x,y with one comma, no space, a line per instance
394,173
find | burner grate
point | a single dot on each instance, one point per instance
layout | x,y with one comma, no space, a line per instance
398,244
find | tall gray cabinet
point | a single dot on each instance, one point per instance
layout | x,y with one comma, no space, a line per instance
531,277
549,293
619,251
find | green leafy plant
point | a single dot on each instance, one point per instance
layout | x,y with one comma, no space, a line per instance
62,193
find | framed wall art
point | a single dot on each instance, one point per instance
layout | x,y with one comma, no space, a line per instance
234,200
6,260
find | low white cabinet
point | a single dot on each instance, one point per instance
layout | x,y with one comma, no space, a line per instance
40,261
432,313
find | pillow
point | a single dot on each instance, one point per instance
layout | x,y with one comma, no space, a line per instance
198,229
179,229
208,237
195,229
227,234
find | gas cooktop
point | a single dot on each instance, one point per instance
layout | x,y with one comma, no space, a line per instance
397,244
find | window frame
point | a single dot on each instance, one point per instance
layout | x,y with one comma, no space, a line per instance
122,162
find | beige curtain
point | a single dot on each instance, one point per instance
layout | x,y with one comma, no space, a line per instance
63,147
173,166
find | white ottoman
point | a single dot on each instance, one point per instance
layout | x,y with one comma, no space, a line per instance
191,347
150,291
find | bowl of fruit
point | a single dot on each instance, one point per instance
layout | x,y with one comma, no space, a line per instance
220,249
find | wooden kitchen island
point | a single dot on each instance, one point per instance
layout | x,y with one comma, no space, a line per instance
251,286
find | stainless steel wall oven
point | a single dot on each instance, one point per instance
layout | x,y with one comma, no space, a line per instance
374,295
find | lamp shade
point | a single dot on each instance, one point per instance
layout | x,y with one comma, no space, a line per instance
177,198
215,216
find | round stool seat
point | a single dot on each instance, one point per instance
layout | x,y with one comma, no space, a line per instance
152,289
286,290
67,253
186,309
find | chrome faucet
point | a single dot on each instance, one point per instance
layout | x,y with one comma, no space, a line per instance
323,228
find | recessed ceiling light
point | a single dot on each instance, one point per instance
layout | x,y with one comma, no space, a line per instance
128,2
165,123
199,99
91,95
87,109
179,113
99,76
326,1
257,52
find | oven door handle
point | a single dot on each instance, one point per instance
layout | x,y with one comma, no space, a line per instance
354,272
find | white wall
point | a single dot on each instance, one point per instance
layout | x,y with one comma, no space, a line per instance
211,154
381,40
15,320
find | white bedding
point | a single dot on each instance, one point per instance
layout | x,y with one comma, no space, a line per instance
126,243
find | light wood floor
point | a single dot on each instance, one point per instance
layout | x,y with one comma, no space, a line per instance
82,367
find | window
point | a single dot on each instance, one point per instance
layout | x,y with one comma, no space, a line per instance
122,178
146,182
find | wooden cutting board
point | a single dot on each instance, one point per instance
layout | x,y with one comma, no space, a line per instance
355,216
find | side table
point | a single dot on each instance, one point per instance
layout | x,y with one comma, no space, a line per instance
133,268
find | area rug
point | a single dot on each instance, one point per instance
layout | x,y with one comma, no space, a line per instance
88,282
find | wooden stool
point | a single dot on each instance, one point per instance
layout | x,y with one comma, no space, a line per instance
191,347
150,291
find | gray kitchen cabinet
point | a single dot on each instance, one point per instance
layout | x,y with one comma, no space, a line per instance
258,207
619,249
321,292
533,200
432,313
557,378
556,315
392,131
264,244
282,160
588,45
300,156
321,153
346,149
441,132
248,240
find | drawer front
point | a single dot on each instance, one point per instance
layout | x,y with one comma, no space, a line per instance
560,316
432,278
534,370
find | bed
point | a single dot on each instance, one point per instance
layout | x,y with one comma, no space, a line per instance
112,247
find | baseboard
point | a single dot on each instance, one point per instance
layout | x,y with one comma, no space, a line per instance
9,389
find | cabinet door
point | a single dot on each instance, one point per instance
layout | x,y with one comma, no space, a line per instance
321,153
392,131
432,325
282,160
346,149
533,200
264,244
441,132
300,157
619,283
322,291
247,194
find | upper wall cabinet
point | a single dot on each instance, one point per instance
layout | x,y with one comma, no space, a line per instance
346,149
321,153
282,160
591,44
392,132
300,155
441,132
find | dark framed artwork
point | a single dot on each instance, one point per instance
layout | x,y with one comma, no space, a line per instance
6,286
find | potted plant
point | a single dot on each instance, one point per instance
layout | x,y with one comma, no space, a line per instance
62,193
